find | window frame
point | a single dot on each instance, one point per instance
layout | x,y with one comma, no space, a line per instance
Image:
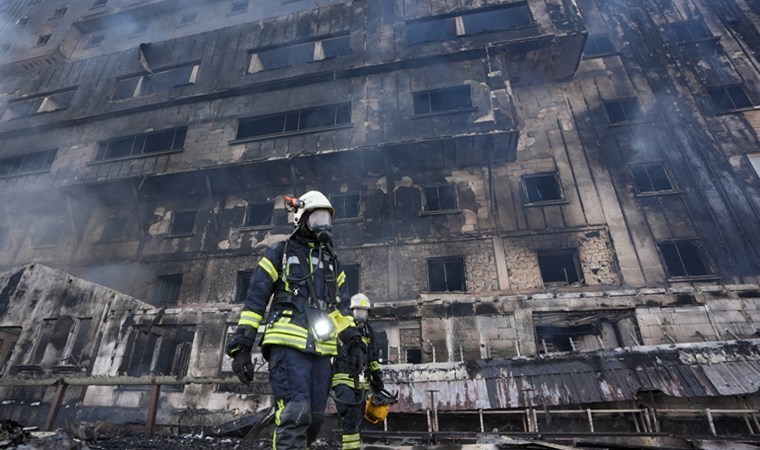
593,38
17,161
572,253
298,130
704,259
241,291
100,154
620,102
687,26
711,90
144,86
162,282
336,198
425,207
255,65
233,12
172,233
526,193
646,166
443,260
249,206
439,112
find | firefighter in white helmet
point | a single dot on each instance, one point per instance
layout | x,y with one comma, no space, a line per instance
310,313
348,384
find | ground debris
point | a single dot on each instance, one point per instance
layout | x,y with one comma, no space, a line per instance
130,440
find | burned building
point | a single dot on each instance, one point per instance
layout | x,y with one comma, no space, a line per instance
554,204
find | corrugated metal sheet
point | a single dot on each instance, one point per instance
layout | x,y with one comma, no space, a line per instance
687,370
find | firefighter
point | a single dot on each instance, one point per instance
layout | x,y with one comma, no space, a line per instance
350,391
309,313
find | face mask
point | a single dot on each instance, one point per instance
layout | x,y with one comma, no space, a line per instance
320,223
361,315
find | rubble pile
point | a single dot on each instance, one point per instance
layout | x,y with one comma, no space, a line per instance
11,434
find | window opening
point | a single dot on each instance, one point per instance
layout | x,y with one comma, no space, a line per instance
239,7
312,118
584,331
623,110
683,258
440,198
446,274
353,274
113,228
346,205
651,178
598,45
142,144
167,289
259,214
96,41
542,188
43,39
729,98
689,31
183,223
8,338
51,232
560,267
188,18
26,164
242,283
155,82
441,100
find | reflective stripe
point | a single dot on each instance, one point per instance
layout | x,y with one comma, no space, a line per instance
373,366
343,378
277,421
326,348
288,328
351,441
267,265
341,278
250,319
287,341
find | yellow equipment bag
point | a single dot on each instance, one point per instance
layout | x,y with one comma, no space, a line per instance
375,413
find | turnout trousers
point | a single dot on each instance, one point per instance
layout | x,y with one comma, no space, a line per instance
300,385
350,413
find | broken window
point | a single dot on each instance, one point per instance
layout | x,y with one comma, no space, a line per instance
346,205
540,188
158,81
60,12
188,18
76,341
623,110
26,164
442,100
353,274
683,258
259,214
299,53
39,104
239,7
8,338
167,290
183,222
242,283
598,45
584,331
472,22
446,274
50,231
114,227
688,31
43,336
729,98
160,350
22,21
560,267
651,178
290,122
142,144
96,41
43,39
440,198
411,346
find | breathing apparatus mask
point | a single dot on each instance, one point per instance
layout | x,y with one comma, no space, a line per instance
360,314
320,224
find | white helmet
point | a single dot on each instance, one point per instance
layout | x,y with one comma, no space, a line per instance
360,301
310,201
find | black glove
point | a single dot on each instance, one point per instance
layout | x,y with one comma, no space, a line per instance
239,349
376,380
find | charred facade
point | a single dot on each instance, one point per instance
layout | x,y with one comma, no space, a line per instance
522,187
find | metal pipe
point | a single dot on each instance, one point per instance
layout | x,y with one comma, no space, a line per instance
710,421
590,420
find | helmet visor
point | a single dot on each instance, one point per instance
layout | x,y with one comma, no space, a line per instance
320,218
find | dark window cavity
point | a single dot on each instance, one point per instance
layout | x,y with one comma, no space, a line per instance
142,144
651,178
446,275
8,338
167,290
43,39
290,122
623,110
113,228
440,198
99,3
353,274
729,98
559,267
26,164
39,104
163,350
22,21
449,27
688,31
299,53
585,331
242,283
96,40
159,81
414,356
60,12
77,341
683,258
442,100
239,7
541,188
188,18
44,334
259,214
346,206
598,45
183,223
